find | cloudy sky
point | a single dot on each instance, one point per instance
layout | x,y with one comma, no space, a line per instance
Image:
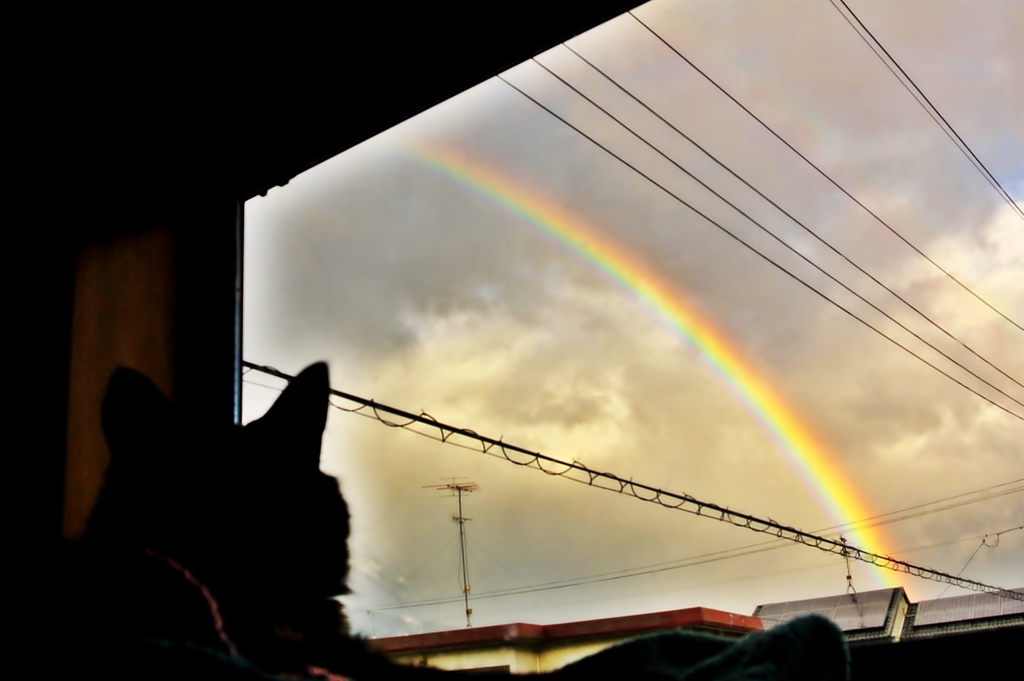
425,291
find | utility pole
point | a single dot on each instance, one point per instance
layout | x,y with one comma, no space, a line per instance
457,489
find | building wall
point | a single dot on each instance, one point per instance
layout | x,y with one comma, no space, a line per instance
520,659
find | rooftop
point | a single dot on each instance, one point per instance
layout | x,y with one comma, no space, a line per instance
697,619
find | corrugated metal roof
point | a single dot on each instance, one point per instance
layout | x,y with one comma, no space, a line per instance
850,612
867,617
958,614
968,607
886,614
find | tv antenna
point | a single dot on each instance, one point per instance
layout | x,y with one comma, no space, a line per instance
457,489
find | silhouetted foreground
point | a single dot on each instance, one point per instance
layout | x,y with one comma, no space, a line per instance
214,552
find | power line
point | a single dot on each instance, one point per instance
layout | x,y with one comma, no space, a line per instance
769,233
593,579
776,206
823,173
955,496
610,576
984,543
577,472
647,570
736,552
754,250
831,531
725,554
922,99
901,515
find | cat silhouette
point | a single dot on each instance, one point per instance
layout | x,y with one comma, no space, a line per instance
215,551
194,516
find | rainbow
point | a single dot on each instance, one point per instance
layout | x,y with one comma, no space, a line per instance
804,450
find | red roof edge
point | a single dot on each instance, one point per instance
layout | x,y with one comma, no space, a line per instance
632,625
629,625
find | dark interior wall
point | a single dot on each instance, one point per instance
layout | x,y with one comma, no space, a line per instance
138,138
160,300
123,315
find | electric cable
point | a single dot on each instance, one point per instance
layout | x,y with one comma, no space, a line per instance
807,229
984,543
752,249
682,563
778,239
583,581
773,544
824,174
922,99
577,472
834,530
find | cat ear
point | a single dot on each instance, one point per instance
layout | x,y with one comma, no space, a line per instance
300,413
136,416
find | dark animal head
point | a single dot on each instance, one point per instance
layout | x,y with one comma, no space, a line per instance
246,509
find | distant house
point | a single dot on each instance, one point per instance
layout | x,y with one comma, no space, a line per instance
887,615
876,616
927,635
525,648
973,612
